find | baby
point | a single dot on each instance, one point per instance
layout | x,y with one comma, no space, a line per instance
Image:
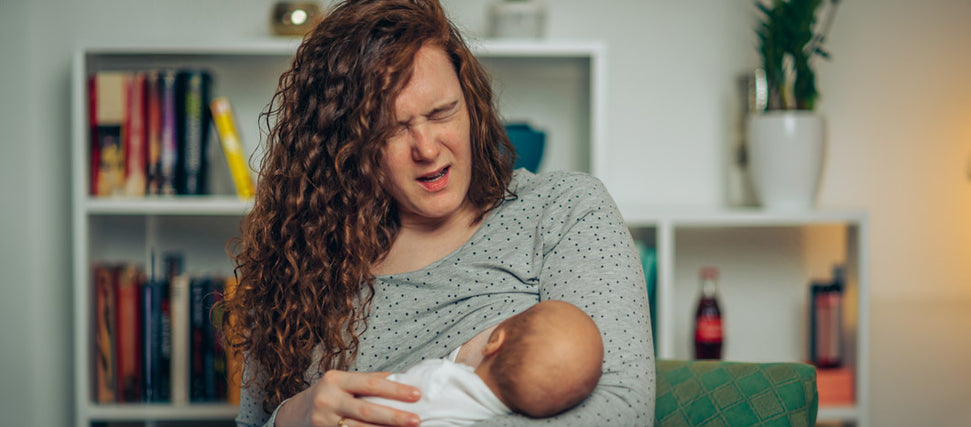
538,363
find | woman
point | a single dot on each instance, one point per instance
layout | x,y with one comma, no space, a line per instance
389,228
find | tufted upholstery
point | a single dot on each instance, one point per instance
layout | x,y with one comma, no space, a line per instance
717,393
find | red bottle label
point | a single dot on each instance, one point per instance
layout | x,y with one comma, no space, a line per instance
709,329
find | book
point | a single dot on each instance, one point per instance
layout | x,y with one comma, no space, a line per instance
165,346
169,154
153,132
193,89
179,368
151,341
108,117
93,140
104,333
836,386
234,360
222,117
128,340
134,136
216,374
197,341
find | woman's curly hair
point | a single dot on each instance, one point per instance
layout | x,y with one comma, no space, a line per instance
322,215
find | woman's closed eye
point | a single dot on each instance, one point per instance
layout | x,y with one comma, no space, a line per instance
444,113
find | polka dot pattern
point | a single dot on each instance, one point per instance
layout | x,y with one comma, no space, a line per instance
561,238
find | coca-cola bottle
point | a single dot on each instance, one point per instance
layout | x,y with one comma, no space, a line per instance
709,335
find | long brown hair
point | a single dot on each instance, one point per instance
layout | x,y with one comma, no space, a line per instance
322,215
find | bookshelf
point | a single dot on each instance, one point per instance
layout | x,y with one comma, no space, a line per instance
766,258
557,85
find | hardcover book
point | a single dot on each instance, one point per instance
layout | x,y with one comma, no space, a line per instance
128,342
104,333
108,116
193,89
234,363
169,155
153,132
198,344
134,136
152,341
222,117
179,370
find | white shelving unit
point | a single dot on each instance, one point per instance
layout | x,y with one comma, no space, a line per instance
766,262
557,85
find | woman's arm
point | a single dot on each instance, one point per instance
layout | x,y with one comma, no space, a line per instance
589,260
331,398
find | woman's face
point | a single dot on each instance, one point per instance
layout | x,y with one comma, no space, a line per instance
428,160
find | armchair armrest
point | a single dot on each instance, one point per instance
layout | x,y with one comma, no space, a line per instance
719,393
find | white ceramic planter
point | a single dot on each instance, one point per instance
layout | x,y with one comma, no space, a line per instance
786,153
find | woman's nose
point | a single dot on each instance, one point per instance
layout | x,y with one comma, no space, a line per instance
424,144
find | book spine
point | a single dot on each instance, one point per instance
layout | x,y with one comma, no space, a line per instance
153,119
165,345
194,89
234,362
128,343
169,155
179,371
197,350
110,117
222,117
104,335
151,340
93,142
216,376
134,137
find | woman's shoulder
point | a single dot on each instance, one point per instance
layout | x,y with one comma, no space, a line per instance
556,183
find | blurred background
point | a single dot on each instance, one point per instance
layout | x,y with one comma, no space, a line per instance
896,95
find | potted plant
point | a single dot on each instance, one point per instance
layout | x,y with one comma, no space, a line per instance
787,138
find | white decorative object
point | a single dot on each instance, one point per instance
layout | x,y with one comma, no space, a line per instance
517,19
786,152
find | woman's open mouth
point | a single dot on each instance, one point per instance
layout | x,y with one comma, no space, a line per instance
435,182
434,177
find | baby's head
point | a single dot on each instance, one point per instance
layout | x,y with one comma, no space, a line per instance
544,360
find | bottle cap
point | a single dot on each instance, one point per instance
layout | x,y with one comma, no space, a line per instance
709,273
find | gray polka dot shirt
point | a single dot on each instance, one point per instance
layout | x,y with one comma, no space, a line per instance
561,238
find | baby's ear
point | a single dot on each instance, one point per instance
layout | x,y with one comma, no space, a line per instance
496,338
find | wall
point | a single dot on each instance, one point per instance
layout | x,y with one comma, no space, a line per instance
16,343
897,96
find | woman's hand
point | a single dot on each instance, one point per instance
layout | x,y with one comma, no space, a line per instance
332,401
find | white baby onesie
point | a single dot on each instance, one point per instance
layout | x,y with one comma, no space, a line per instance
451,394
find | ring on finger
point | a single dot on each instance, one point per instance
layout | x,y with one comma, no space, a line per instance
341,422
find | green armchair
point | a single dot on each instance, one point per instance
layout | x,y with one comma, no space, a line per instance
717,393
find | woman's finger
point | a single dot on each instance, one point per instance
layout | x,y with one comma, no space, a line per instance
345,388
355,423
373,384
360,412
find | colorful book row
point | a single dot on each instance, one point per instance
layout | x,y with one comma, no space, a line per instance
156,340
150,131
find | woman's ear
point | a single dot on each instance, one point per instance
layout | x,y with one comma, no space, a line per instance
496,339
